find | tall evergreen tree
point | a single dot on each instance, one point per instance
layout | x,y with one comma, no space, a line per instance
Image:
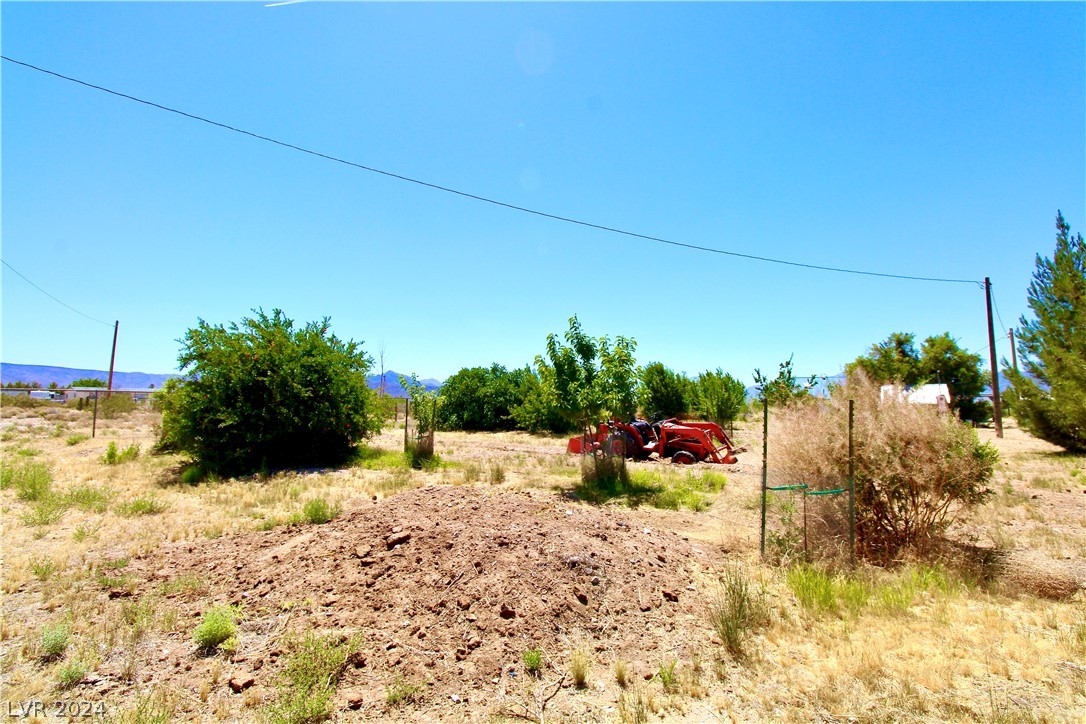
1051,392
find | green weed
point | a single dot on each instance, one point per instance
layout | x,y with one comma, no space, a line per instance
53,640
46,511
71,674
401,691
141,506
89,497
32,481
217,627
371,458
115,457
666,675
43,568
319,511
738,609
77,438
310,677
533,661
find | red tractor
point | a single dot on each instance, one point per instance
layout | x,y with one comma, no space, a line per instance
684,441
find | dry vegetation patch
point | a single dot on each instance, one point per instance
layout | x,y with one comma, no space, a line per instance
484,589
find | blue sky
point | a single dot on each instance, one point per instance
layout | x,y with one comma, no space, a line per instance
923,139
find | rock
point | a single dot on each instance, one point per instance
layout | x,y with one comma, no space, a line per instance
353,697
595,580
671,596
507,611
120,593
397,539
582,597
239,684
363,551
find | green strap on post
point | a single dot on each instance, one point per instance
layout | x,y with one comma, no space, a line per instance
827,492
801,486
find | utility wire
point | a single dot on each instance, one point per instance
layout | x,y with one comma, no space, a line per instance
485,199
69,306
999,316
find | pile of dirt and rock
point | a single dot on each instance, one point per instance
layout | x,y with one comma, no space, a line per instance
449,586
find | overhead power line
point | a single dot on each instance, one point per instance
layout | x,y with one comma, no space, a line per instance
476,197
999,316
64,304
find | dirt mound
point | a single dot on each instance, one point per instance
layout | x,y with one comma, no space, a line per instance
451,585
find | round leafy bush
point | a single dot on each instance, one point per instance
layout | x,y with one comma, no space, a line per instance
478,398
262,395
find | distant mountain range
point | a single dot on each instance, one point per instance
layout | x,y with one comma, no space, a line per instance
63,377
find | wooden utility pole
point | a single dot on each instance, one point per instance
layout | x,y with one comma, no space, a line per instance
996,407
1014,352
112,358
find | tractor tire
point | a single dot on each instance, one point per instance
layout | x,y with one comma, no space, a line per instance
683,457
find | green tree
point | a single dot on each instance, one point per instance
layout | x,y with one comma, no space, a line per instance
940,360
1051,393
88,382
538,410
894,360
481,398
943,361
719,397
589,379
664,393
264,395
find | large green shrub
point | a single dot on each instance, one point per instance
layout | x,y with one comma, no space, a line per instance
720,397
663,392
264,395
481,398
539,410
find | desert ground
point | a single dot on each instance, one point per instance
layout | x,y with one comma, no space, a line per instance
488,589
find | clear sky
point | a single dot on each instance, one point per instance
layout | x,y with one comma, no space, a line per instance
923,139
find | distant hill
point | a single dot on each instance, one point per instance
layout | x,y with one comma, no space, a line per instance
393,388
63,376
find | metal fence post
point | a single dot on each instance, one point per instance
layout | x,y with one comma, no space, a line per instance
94,420
765,457
851,490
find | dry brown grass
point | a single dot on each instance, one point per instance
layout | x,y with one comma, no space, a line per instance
964,652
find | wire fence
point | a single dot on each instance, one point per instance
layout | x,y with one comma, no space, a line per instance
815,519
